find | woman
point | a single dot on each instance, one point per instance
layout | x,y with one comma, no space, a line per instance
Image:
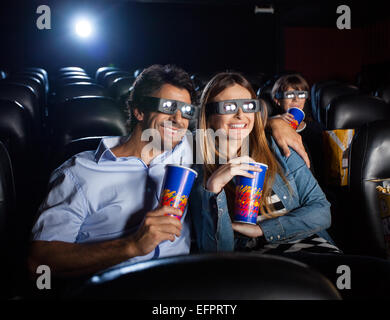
293,206
292,91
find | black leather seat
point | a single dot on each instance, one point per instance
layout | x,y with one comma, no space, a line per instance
70,69
7,211
85,117
224,276
369,159
100,73
15,135
111,76
73,79
384,93
73,90
315,96
326,94
74,147
39,76
32,82
71,74
26,97
352,111
121,87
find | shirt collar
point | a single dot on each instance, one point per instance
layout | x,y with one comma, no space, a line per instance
103,151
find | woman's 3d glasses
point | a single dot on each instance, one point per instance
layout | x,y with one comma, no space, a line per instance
167,106
299,94
232,106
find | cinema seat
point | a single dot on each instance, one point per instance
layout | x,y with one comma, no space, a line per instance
315,97
73,147
350,112
111,76
78,89
15,135
100,73
369,159
71,74
26,97
384,93
73,79
70,69
32,82
7,212
120,87
326,94
200,80
34,74
225,276
42,72
85,117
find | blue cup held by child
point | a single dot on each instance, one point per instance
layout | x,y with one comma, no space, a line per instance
298,115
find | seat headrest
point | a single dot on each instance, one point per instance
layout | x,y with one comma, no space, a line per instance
213,276
121,86
24,95
111,76
330,92
352,111
78,89
34,74
67,69
71,74
15,130
85,117
102,71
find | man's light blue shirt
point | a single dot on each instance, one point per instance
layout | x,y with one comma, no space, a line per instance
95,196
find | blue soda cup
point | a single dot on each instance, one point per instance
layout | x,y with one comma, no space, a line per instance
298,115
177,185
248,195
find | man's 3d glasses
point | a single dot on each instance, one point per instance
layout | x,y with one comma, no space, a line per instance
168,106
299,94
232,106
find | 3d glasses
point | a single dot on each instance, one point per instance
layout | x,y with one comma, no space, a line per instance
232,106
291,94
168,106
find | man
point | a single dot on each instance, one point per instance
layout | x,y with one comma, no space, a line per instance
102,208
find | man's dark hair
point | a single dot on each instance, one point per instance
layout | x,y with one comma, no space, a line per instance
151,80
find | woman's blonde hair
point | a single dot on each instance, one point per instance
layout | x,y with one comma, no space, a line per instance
258,145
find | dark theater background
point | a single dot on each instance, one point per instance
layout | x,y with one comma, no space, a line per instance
49,112
200,36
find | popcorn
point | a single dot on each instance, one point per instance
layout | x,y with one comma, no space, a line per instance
383,189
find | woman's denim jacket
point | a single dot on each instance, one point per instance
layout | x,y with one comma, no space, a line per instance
309,211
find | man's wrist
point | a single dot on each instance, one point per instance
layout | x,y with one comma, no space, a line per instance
131,249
